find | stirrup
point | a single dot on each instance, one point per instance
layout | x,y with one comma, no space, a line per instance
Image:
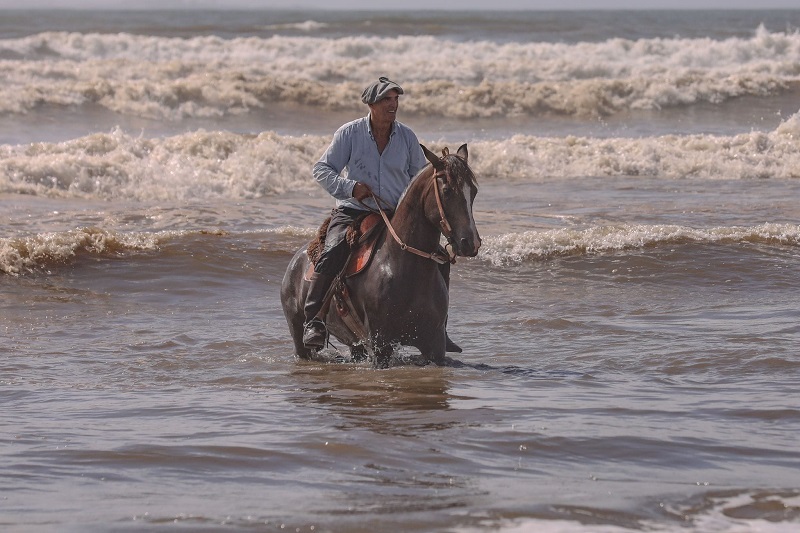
315,334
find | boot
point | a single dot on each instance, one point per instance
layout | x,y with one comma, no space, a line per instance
315,334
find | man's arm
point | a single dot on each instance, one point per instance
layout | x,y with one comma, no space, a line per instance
327,171
361,191
417,159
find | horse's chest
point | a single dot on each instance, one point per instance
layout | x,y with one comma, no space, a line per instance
405,301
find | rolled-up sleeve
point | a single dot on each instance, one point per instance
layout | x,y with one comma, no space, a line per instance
328,170
353,157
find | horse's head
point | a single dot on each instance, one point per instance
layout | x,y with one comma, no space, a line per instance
455,188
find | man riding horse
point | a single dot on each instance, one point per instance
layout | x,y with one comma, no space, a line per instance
380,156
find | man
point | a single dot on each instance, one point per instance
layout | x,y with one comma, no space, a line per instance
378,154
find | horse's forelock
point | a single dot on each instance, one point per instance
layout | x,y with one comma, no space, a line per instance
457,168
459,171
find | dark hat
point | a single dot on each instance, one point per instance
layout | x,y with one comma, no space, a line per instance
377,91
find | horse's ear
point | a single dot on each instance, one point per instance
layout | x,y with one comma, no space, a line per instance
437,163
462,152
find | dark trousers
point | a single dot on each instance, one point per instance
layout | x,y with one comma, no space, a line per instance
337,250
331,261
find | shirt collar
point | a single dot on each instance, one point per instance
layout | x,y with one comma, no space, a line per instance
369,127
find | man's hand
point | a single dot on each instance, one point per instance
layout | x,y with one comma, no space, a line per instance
361,192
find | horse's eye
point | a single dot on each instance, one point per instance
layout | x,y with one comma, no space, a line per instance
447,190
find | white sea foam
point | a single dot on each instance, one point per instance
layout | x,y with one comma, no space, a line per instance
24,254
40,252
308,25
206,165
516,248
19,255
716,523
195,165
724,513
210,76
744,156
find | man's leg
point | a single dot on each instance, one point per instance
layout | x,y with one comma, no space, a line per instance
314,333
331,262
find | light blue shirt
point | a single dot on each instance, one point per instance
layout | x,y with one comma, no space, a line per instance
353,157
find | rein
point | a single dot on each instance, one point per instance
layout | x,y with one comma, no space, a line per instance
433,256
445,225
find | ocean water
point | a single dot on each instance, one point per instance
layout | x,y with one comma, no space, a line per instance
630,325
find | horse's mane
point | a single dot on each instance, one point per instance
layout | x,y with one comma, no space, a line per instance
456,166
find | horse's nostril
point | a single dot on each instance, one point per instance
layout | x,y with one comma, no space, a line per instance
464,243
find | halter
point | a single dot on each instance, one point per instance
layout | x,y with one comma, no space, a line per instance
443,223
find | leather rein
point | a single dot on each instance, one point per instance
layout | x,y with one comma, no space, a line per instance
445,225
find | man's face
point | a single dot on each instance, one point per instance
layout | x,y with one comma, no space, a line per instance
385,109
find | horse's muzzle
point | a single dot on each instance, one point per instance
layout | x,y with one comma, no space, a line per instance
467,247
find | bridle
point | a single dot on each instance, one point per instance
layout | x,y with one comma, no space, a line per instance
447,231
443,223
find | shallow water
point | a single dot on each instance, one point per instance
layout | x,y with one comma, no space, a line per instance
635,388
629,327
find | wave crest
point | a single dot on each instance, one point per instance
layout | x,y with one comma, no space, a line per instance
39,252
206,165
171,78
517,248
194,165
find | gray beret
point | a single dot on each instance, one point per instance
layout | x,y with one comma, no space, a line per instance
377,91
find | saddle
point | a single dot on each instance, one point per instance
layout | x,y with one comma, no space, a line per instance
361,237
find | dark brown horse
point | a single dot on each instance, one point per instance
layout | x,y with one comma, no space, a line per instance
402,297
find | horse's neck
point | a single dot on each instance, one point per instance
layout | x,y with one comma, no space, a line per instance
414,228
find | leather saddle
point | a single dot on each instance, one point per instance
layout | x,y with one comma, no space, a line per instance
362,238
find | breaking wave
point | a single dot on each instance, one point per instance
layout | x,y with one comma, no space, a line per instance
41,252
517,248
206,165
208,76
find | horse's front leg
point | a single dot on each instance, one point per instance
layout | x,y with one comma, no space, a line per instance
358,353
383,355
433,346
437,355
